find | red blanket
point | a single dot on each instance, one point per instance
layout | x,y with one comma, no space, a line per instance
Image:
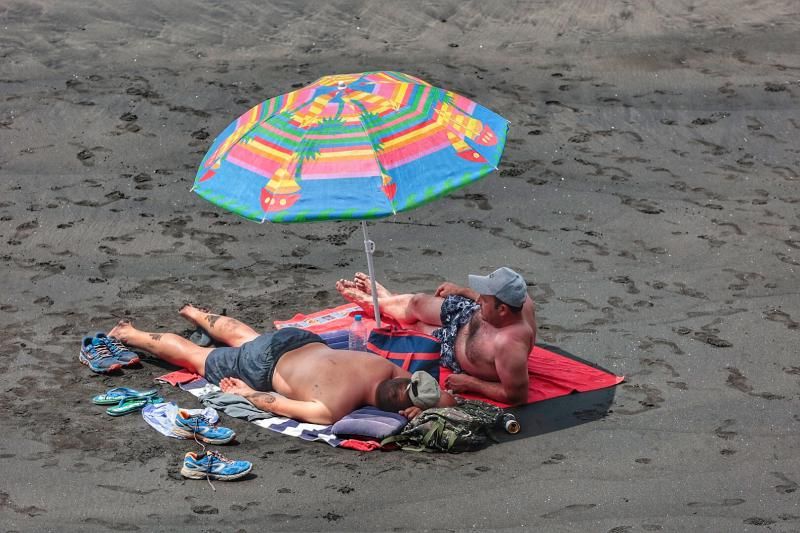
552,374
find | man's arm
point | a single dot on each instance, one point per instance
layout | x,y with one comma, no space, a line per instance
445,400
447,288
512,369
313,412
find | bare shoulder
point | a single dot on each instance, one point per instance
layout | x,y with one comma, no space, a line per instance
515,341
516,334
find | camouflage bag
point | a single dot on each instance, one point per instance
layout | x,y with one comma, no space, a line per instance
462,428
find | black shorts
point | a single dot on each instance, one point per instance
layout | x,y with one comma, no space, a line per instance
254,362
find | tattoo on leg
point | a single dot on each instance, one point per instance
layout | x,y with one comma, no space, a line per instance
212,319
155,336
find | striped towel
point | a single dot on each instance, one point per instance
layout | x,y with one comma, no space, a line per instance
285,426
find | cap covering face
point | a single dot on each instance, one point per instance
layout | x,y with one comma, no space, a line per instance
423,390
504,284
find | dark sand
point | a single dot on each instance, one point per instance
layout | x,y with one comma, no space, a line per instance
649,192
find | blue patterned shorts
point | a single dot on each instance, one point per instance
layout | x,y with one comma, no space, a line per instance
456,311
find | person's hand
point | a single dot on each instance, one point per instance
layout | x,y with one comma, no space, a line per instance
456,383
235,386
447,289
411,412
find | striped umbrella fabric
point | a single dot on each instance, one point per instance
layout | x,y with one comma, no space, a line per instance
350,146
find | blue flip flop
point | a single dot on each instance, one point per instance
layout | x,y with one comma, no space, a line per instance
129,405
119,394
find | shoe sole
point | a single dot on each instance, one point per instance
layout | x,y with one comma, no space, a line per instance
133,361
87,362
199,474
191,434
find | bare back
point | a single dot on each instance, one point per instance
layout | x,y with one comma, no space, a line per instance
341,380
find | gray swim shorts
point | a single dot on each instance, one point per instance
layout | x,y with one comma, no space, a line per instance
254,362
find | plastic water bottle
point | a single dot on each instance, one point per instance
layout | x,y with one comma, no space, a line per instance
357,336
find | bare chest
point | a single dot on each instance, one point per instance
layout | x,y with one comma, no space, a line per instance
476,349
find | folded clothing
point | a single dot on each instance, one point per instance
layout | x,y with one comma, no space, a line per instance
234,405
178,377
370,422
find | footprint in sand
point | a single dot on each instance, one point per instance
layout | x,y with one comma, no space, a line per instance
776,315
569,509
787,487
86,157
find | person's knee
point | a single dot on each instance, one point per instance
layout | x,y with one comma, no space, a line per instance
417,302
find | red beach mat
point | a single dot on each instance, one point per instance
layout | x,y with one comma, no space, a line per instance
553,372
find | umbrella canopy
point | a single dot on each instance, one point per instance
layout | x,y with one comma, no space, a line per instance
350,146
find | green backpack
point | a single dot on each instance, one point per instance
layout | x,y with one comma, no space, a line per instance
462,428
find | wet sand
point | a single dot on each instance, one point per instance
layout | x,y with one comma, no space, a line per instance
648,192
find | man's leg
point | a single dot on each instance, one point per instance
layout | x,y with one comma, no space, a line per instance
406,308
169,347
223,329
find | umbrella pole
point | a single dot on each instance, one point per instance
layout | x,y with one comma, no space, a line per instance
369,247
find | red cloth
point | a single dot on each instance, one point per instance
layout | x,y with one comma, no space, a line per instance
360,445
334,319
551,374
178,377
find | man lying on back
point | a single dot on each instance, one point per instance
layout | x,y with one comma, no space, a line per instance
487,330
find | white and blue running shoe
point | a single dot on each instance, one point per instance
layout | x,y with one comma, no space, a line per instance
199,428
213,465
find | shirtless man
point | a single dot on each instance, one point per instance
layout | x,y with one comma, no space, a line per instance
487,350
290,372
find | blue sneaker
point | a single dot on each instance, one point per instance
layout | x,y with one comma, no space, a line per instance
121,353
96,355
199,428
213,465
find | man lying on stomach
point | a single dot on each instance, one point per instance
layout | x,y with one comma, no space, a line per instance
290,372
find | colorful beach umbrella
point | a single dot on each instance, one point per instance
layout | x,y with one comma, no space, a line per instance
350,146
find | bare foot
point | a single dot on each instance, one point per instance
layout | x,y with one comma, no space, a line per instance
122,330
235,386
351,294
362,283
190,312
349,284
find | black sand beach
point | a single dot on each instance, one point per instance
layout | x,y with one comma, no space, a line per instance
648,193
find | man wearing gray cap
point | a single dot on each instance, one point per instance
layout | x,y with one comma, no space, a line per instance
488,350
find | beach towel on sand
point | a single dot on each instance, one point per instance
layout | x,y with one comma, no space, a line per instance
209,395
553,373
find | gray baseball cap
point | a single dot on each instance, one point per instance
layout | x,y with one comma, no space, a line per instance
423,390
504,284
